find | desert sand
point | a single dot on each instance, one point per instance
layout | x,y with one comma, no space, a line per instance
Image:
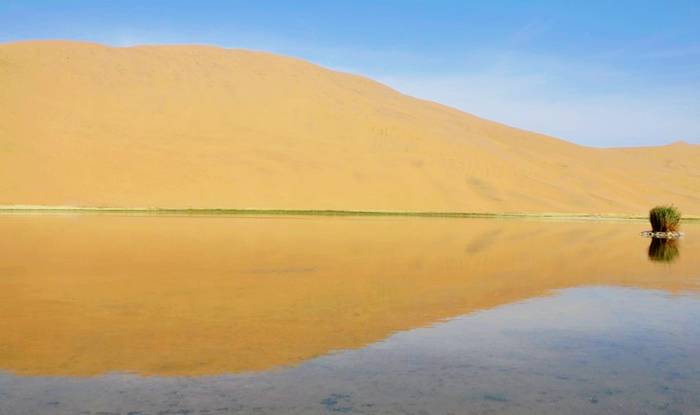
83,124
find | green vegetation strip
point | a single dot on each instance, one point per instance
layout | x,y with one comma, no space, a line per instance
310,212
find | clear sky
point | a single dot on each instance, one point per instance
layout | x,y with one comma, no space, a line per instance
603,73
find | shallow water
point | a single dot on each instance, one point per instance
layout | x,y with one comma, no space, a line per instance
169,315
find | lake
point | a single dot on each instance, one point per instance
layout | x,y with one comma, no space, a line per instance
109,314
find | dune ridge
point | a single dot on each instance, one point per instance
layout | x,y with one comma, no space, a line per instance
84,124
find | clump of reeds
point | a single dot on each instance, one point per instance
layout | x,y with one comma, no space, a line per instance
663,250
664,219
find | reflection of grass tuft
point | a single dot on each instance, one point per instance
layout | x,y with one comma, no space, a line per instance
663,250
664,219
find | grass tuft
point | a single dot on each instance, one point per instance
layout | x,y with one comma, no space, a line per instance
664,219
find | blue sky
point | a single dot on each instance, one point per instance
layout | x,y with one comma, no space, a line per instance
602,73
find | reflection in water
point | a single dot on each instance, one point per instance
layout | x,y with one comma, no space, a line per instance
581,351
244,313
89,295
663,249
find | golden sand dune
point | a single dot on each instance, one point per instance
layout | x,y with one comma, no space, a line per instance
84,295
194,126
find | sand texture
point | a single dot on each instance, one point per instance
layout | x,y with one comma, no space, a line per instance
83,124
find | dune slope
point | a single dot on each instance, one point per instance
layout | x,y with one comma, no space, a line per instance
193,126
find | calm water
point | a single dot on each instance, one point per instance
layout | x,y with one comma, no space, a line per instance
216,315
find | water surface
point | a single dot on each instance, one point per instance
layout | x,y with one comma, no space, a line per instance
158,315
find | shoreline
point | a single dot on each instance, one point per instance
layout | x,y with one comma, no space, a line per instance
18,209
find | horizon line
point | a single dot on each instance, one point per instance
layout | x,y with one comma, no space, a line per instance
216,211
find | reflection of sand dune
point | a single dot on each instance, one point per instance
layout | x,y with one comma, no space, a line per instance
164,295
185,126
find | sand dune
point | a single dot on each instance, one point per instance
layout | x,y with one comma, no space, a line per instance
194,126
